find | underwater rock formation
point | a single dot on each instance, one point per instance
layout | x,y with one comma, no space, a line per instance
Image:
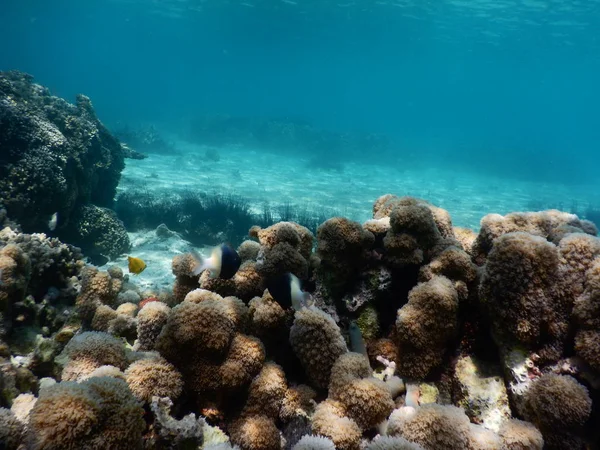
56,157
98,231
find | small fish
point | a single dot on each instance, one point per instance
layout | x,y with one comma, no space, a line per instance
286,290
223,262
136,265
53,221
357,343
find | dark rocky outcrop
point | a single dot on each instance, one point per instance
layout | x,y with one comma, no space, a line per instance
54,157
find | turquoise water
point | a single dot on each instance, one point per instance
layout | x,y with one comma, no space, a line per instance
503,89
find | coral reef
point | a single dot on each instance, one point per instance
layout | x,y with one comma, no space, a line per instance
11,430
425,325
57,157
150,321
479,389
97,413
587,314
559,406
38,283
392,443
329,421
518,435
255,432
343,251
544,224
317,341
309,442
87,352
420,336
153,377
365,399
187,432
202,338
98,231
431,426
284,247
520,291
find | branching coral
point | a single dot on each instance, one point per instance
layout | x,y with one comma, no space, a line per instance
414,231
456,265
384,205
203,327
245,284
248,250
243,361
248,281
577,255
120,322
267,317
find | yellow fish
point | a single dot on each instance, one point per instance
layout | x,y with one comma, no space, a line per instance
136,265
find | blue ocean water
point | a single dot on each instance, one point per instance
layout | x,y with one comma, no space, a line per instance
500,88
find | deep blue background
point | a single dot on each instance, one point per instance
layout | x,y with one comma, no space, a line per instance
513,97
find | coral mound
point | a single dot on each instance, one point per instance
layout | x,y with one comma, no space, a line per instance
97,413
57,157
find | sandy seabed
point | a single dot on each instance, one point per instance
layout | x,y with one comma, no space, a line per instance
262,177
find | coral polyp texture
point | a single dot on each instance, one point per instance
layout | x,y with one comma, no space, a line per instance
419,336
318,342
425,326
98,413
58,157
284,247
